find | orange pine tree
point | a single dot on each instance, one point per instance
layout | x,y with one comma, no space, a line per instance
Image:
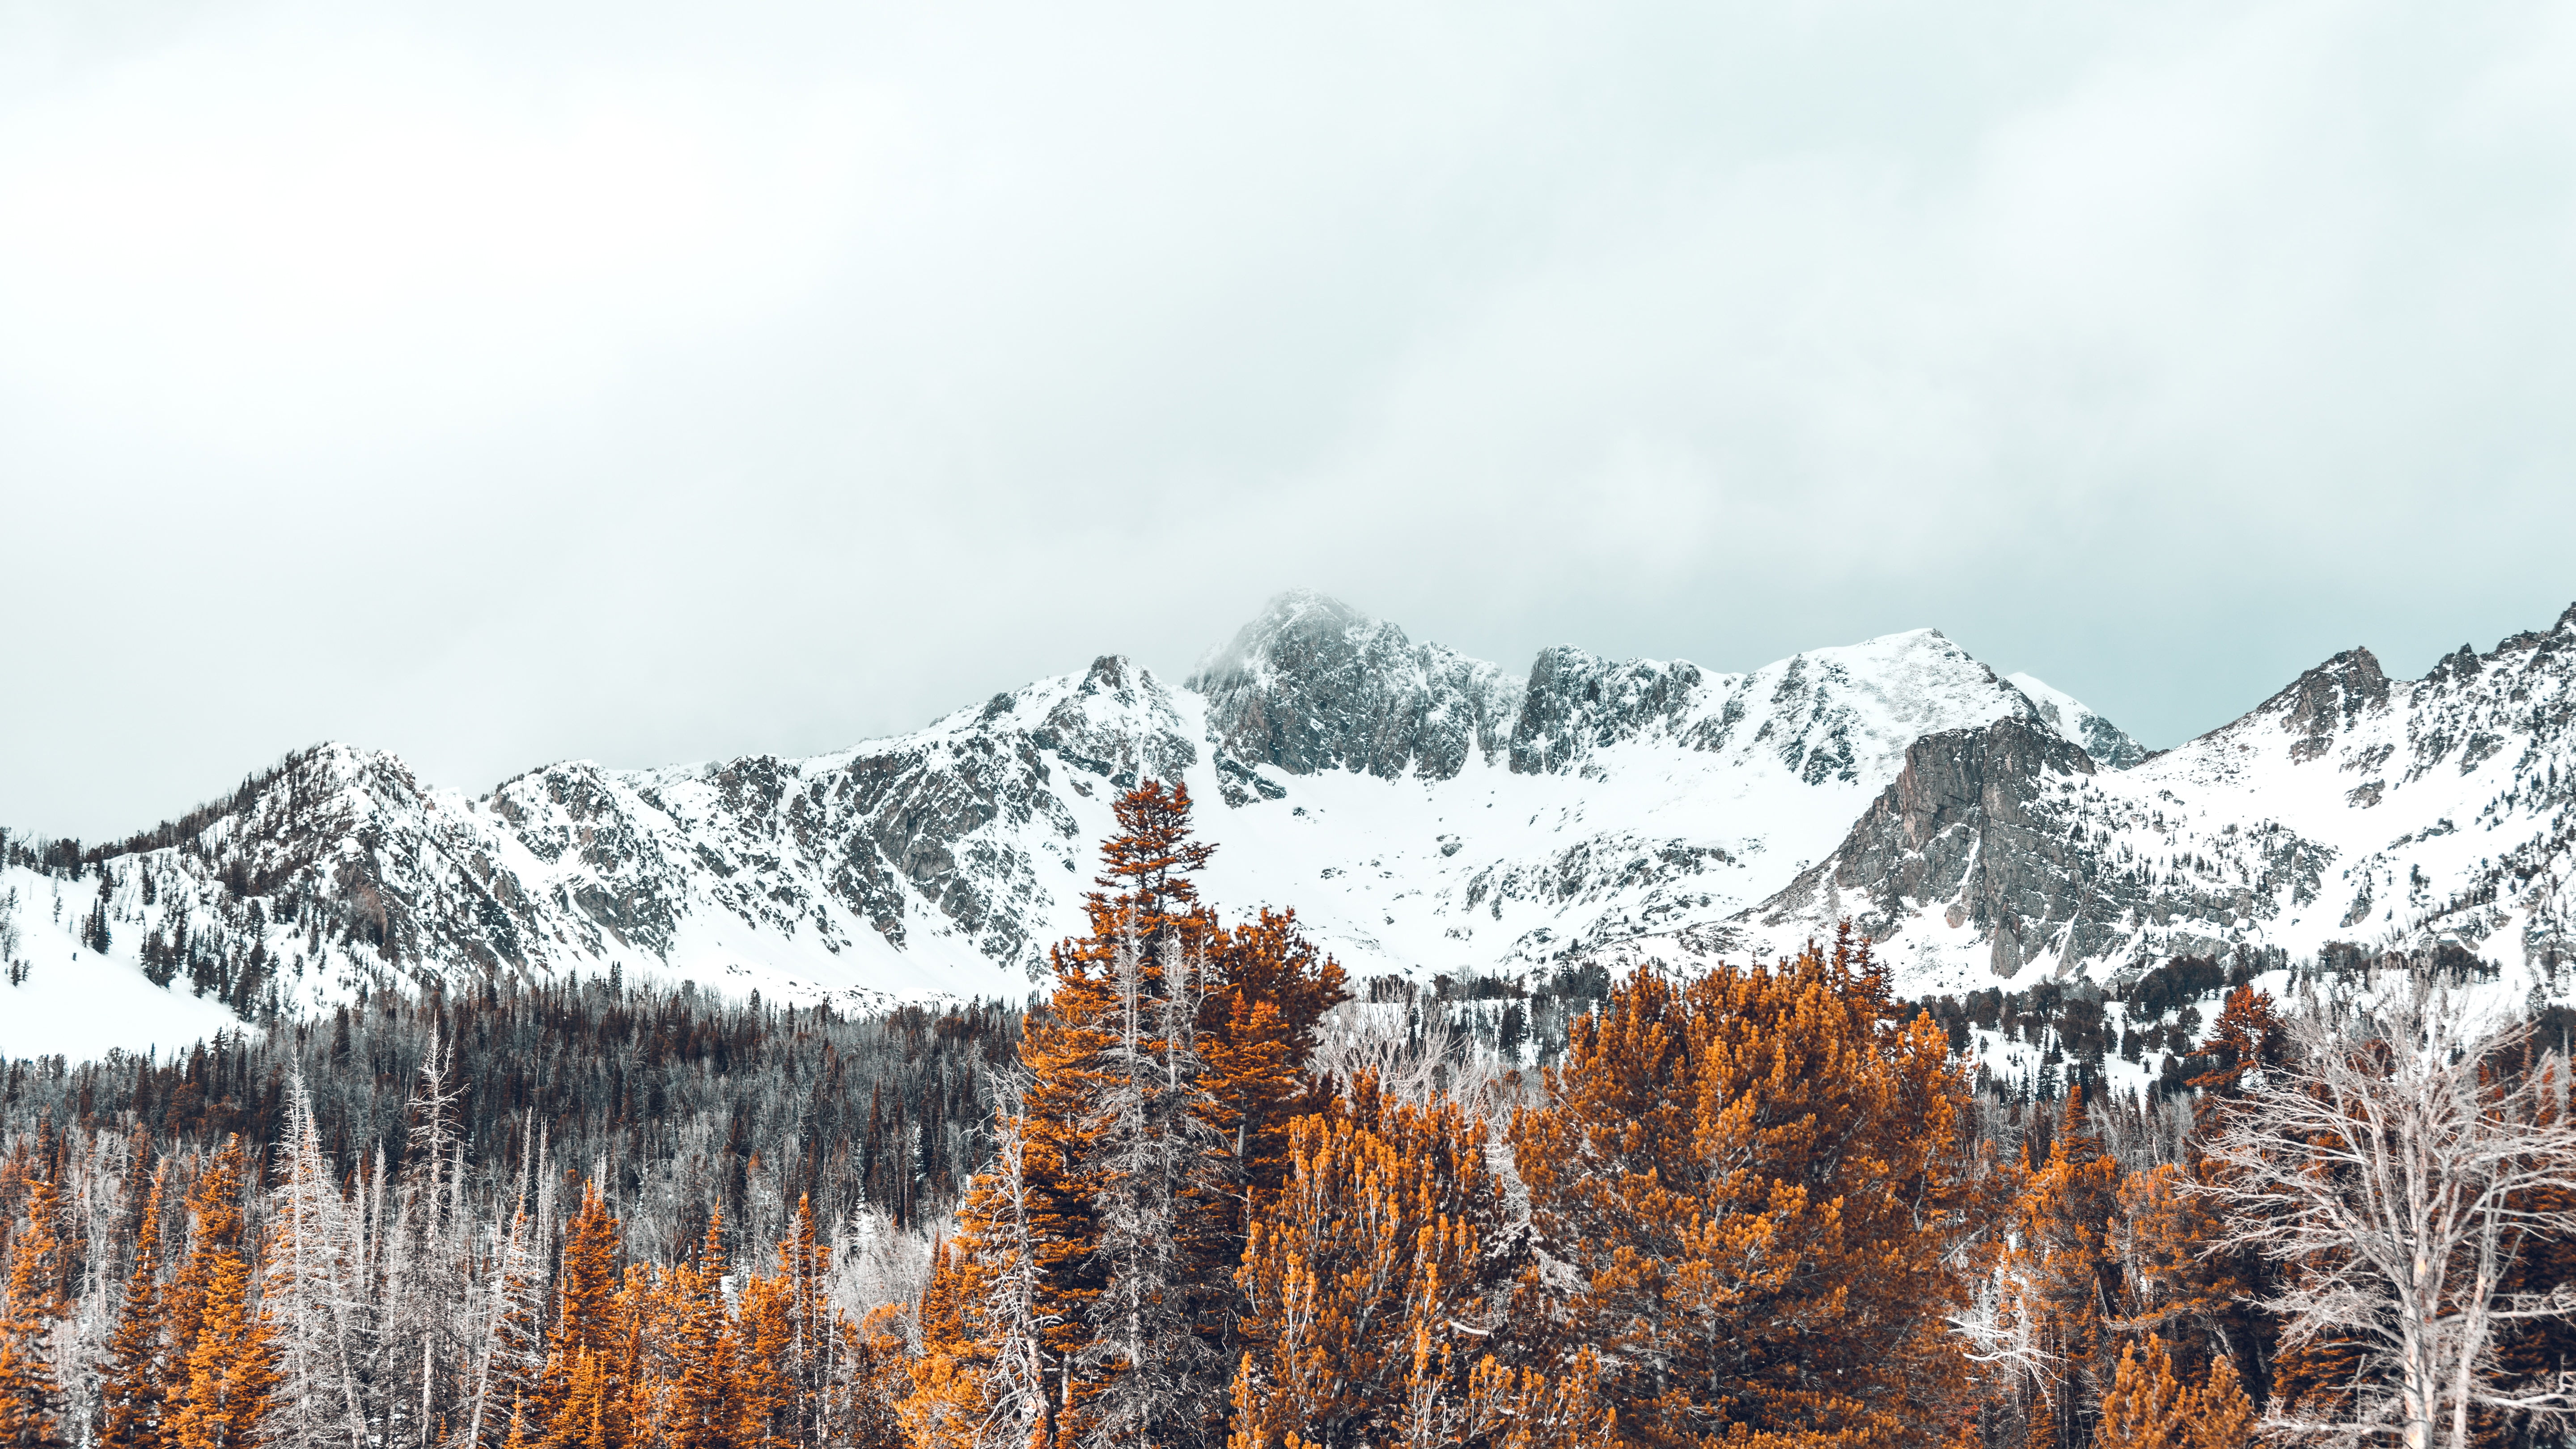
2161,1234
2066,1272
132,1396
1272,988
32,1305
1754,1181
944,1405
701,1409
1266,989
2248,1036
215,1231
2147,1405
229,1375
1370,1298
577,1399
765,1398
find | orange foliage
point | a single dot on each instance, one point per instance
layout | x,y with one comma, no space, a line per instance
1754,1180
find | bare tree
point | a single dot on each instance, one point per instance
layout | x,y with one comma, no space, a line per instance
1017,1388
1151,1150
316,1297
2398,1173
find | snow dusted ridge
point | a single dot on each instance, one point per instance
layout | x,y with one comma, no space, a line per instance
1424,812
2349,807
2106,742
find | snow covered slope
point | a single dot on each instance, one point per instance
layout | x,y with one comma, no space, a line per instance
2349,811
1424,812
63,999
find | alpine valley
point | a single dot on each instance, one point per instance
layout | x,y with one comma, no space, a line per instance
1425,813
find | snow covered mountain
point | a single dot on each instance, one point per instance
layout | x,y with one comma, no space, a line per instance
1425,813
2348,811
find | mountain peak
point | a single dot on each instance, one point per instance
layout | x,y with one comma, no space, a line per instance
1313,684
1293,619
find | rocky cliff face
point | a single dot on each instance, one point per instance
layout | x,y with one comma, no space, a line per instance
2348,808
1430,813
1314,685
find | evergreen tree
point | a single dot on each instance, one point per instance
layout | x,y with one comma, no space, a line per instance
1755,1181
1161,1081
228,1365
31,1307
1149,1162
2066,1276
94,929
702,1414
1372,1292
132,1396
585,1332
2147,1406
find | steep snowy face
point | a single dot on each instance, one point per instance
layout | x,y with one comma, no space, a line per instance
1638,801
2106,742
2348,808
1313,684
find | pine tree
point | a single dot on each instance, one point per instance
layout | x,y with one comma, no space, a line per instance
2166,1234
132,1395
2066,1274
585,1333
31,1388
766,1394
2247,1037
94,929
2223,1416
1372,1296
2148,1407
313,1294
948,1380
1270,989
215,1220
702,1412
2145,1407
230,1380
1204,1085
1755,1181
1148,1162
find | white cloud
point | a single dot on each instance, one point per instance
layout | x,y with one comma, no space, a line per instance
637,383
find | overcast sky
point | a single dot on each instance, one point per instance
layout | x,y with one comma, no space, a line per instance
502,383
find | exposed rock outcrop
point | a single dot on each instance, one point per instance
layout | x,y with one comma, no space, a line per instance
1314,684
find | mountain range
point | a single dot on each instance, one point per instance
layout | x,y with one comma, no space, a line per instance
1425,813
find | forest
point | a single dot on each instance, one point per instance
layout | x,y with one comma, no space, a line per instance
1212,1193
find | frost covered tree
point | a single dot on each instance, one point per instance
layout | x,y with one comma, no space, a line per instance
510,1302
1151,1161
2399,1165
1015,1388
315,1296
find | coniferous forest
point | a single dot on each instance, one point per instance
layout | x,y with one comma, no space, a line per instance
1210,1193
